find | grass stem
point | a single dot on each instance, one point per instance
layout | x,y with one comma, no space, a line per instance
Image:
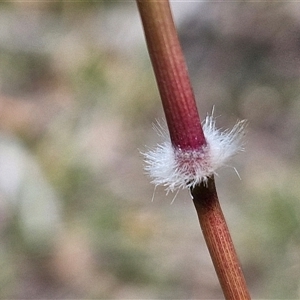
219,242
190,147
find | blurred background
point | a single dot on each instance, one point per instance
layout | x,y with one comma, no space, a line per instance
77,103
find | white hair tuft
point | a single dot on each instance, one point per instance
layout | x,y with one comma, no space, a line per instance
179,169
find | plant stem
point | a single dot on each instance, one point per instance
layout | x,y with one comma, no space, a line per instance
171,74
219,242
186,134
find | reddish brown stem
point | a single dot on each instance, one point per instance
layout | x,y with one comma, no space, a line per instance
186,133
171,74
219,242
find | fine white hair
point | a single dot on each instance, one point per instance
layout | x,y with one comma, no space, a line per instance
175,168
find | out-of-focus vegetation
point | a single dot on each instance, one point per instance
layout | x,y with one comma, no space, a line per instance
77,101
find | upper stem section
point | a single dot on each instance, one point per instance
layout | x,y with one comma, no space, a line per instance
171,75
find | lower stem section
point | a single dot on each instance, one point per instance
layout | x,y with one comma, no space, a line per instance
219,242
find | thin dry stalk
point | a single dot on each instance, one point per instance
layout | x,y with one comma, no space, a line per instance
219,242
188,142
171,74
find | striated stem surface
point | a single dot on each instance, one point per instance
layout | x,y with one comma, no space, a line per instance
186,134
171,75
219,242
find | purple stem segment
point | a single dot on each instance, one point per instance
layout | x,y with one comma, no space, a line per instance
171,75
